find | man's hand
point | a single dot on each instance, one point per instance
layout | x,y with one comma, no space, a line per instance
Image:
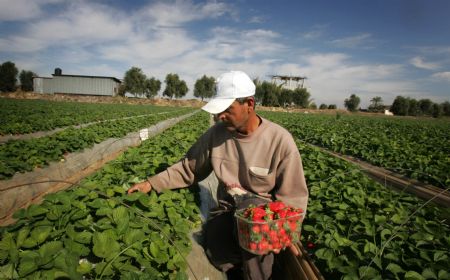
291,248
144,187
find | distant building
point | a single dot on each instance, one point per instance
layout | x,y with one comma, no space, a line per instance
288,82
76,84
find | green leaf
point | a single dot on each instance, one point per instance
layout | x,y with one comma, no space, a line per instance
440,255
36,210
370,247
22,235
413,275
325,254
26,267
429,273
380,219
395,268
8,272
48,250
154,250
84,237
105,244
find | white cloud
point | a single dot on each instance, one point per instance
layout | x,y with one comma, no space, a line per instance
358,41
420,63
19,10
442,76
174,14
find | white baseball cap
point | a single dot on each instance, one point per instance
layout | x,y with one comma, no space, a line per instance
229,86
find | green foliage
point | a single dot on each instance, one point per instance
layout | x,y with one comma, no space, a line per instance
137,83
332,106
301,97
174,86
323,106
152,86
352,103
134,81
96,231
26,116
204,87
376,104
8,76
26,80
361,229
382,141
25,155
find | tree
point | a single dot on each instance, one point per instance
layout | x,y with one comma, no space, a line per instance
301,97
26,80
269,93
174,86
323,106
332,106
8,76
400,106
135,81
446,108
376,104
204,87
152,86
413,107
285,97
312,105
436,110
352,103
425,106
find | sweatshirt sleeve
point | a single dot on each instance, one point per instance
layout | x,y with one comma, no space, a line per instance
195,166
291,183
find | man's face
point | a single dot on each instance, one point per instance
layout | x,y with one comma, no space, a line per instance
235,117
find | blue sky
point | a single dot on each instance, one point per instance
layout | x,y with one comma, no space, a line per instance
369,48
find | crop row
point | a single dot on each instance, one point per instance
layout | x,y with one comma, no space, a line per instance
25,155
95,230
418,149
26,116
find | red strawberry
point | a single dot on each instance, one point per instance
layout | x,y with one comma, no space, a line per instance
276,206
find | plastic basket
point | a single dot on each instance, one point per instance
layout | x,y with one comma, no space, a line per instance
261,238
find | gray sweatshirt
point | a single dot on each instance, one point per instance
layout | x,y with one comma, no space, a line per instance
266,162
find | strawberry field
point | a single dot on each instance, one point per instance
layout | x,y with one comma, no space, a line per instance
94,230
26,116
354,227
417,148
25,155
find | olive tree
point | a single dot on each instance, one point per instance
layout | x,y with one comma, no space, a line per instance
174,86
8,76
204,87
352,103
26,80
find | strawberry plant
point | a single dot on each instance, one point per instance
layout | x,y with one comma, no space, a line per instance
25,155
382,141
95,230
26,116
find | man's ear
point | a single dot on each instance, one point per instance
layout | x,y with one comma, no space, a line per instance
251,103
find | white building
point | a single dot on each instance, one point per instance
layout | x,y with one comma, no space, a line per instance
76,84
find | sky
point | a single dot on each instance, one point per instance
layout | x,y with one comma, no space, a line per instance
369,48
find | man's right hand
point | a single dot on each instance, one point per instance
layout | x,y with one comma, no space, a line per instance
144,187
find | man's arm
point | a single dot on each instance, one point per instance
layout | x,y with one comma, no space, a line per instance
193,167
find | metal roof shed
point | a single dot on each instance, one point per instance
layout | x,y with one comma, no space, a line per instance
77,84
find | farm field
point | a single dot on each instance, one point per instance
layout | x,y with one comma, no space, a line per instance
417,148
95,230
26,116
26,155
355,228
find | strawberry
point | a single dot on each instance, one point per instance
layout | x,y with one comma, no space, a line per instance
276,206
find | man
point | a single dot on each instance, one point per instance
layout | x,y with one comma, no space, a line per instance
254,160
